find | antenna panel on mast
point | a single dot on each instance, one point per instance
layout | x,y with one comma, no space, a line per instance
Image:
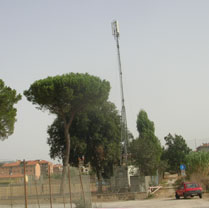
115,28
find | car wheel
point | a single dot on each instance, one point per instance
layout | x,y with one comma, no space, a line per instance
177,196
200,195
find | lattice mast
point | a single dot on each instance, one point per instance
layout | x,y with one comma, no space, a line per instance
124,134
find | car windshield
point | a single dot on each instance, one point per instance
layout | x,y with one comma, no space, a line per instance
190,185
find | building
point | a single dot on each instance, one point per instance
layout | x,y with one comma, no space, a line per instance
16,178
33,169
57,169
13,168
46,167
203,148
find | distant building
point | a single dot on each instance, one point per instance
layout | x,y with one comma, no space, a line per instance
16,178
46,167
16,169
8,169
57,169
204,147
33,169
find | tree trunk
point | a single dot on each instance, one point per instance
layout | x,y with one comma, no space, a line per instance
66,156
99,177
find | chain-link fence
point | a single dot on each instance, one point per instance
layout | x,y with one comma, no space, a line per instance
46,191
78,190
123,182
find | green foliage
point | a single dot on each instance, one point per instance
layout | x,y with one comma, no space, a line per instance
163,166
175,152
8,97
95,134
68,93
178,182
197,162
56,176
146,154
144,125
146,149
103,138
57,143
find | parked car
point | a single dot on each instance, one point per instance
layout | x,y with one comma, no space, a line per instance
189,189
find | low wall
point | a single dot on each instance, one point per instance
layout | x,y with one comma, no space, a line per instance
165,192
119,196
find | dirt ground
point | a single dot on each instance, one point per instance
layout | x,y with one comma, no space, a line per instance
158,203
163,198
194,202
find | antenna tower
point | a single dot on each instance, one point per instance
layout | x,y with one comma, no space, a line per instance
124,134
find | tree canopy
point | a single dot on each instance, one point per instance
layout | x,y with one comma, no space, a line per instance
175,152
197,163
8,97
146,149
95,127
144,125
95,134
66,95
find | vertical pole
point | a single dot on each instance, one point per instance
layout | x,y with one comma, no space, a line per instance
69,182
25,186
63,194
50,191
37,194
81,182
64,199
124,136
11,194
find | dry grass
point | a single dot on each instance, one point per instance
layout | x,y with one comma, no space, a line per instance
202,180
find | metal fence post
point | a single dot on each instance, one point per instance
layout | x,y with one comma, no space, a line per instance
81,182
37,194
11,193
64,200
25,186
50,191
69,182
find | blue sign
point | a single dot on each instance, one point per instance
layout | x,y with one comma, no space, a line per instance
182,167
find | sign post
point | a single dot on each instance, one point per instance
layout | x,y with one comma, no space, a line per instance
183,168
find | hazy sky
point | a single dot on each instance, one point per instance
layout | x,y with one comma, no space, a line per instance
164,52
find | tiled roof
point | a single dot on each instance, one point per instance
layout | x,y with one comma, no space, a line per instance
17,163
32,162
44,162
203,145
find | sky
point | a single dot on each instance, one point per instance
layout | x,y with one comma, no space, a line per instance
164,46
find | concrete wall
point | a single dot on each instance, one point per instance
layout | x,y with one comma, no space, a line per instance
142,183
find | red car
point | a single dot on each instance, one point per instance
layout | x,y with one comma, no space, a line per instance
189,189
